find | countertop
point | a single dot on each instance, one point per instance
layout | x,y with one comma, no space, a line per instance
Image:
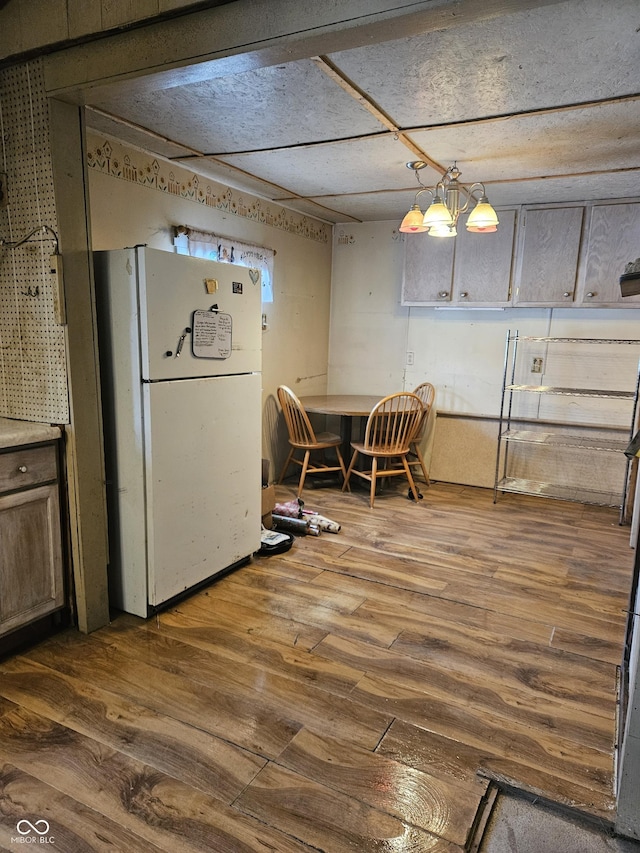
15,433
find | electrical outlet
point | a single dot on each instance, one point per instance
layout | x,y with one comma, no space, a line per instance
57,287
536,364
3,189
410,359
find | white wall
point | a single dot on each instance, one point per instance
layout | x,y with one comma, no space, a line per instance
127,212
461,351
368,325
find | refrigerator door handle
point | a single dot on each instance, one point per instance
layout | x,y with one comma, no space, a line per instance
186,332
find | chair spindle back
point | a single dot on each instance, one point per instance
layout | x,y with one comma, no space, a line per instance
298,424
393,422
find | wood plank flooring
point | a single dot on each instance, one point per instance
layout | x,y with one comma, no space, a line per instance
353,694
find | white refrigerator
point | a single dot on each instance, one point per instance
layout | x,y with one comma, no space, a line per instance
180,361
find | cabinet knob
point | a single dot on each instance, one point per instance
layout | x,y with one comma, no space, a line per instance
22,469
566,293
443,294
591,294
464,294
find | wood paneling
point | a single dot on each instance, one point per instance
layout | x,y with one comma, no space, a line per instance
354,693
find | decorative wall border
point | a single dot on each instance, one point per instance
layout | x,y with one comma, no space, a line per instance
117,160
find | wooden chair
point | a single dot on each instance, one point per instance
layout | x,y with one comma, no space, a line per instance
427,394
391,426
303,437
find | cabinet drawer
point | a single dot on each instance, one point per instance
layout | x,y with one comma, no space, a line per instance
27,466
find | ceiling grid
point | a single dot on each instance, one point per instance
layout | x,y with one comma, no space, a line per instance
541,103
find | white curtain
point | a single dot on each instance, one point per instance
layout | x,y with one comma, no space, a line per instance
203,244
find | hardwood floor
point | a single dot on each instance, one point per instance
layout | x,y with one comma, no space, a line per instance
353,694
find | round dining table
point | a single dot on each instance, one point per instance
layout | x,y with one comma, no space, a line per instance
347,407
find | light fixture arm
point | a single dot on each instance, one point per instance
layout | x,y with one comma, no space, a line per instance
423,190
473,188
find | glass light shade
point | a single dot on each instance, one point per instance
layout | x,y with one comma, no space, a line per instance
478,229
437,214
412,223
483,217
442,231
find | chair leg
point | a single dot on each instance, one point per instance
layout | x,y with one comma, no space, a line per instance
343,469
303,474
374,471
286,465
410,479
425,473
345,485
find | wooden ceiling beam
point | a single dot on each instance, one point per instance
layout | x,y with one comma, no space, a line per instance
333,72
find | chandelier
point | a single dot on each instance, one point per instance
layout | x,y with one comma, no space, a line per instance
441,216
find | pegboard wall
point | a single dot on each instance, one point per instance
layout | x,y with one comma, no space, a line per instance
33,374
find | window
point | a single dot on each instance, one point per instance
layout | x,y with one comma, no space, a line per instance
204,244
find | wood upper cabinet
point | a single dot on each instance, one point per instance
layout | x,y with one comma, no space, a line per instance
549,252
467,269
428,269
31,565
614,240
483,262
560,256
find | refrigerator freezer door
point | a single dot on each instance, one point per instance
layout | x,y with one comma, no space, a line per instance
202,472
172,288
163,290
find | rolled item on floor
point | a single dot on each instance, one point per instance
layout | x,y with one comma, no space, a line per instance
321,521
300,526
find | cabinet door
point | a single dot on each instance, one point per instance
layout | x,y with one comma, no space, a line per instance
31,576
428,269
548,262
482,264
614,240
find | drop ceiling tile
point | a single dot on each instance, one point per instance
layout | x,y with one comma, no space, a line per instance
598,138
557,54
132,136
393,206
231,176
370,207
268,107
321,208
372,164
563,189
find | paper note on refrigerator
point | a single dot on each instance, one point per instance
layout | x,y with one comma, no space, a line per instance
211,334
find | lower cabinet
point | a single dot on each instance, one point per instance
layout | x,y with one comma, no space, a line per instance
31,562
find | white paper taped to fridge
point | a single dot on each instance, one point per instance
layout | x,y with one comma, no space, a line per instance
211,334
